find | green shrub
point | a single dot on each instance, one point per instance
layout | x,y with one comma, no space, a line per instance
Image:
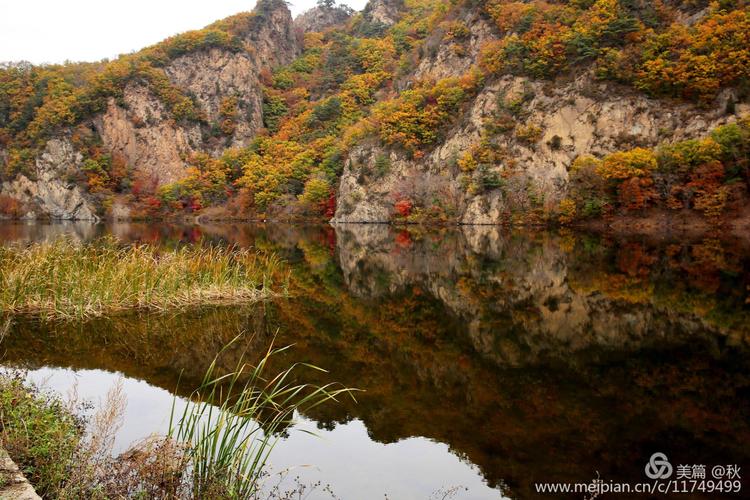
274,108
39,433
684,156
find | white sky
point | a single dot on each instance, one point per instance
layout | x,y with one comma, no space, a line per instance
52,31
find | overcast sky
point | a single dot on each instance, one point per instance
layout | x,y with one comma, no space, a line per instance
52,31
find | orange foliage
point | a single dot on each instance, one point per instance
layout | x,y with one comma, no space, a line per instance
636,193
697,61
10,207
710,196
404,207
637,162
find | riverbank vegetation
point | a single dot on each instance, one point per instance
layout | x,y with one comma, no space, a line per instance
63,279
39,432
217,446
395,324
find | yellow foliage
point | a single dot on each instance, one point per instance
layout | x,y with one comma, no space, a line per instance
697,61
467,162
492,57
375,54
637,162
566,211
585,162
529,133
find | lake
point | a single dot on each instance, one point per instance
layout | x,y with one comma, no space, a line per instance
488,359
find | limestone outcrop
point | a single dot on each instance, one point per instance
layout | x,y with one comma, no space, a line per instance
573,118
51,190
138,127
322,17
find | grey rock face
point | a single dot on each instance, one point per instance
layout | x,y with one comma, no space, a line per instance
581,117
383,11
321,18
52,191
214,75
146,136
15,484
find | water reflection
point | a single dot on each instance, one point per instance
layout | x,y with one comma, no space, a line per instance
533,356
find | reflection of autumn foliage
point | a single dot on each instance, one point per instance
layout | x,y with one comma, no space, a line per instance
705,278
421,377
634,260
708,261
403,239
427,371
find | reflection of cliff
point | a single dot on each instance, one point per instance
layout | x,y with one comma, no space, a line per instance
526,297
26,232
535,357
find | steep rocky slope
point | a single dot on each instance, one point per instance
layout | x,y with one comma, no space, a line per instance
51,188
476,112
576,118
570,116
138,126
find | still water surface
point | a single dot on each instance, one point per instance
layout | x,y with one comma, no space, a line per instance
489,359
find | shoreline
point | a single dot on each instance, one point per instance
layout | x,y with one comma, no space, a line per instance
652,221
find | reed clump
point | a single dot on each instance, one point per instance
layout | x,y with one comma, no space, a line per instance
232,422
64,279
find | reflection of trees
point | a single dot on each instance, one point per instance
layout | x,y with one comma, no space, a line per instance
534,357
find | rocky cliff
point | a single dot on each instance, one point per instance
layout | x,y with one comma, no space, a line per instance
545,125
51,190
465,112
139,127
384,12
322,17
573,119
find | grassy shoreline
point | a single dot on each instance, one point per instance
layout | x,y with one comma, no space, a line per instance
39,433
67,280
217,445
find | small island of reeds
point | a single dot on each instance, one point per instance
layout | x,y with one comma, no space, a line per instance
63,279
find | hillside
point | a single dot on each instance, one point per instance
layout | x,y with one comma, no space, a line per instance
412,110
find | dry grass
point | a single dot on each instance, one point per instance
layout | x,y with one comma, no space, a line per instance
63,279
